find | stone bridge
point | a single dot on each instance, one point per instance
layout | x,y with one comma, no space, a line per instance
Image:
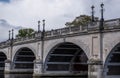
69,51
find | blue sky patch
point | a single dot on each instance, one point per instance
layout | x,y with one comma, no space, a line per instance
6,1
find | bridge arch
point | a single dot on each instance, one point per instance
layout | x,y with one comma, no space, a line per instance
66,57
17,48
3,57
79,43
24,59
112,63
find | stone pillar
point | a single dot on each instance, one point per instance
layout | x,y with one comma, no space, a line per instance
37,68
95,68
7,66
100,71
7,76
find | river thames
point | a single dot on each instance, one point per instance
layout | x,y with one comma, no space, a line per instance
29,76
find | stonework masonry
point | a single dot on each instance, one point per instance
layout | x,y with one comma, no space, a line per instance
87,38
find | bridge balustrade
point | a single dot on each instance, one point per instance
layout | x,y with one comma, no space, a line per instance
4,44
75,29
112,24
108,25
65,30
48,33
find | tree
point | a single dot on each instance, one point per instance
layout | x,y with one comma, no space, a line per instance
25,32
81,20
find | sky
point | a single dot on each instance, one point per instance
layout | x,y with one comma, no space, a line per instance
5,0
18,14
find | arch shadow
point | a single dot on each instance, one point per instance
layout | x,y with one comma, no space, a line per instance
66,57
24,59
112,63
3,57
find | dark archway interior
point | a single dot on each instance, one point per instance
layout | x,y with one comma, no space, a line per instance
113,62
24,59
2,61
67,57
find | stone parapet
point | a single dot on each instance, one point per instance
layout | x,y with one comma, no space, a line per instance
109,25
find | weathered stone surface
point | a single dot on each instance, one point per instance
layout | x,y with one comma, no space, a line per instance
87,39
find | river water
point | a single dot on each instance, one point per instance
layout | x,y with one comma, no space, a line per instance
29,76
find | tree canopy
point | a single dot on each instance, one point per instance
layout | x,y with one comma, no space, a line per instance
80,20
25,32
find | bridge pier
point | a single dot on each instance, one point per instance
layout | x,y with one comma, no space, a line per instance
7,69
37,68
95,68
100,71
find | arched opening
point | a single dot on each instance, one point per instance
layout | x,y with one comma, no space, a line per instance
2,61
112,64
24,59
67,57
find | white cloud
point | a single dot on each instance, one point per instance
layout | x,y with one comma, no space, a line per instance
26,13
4,29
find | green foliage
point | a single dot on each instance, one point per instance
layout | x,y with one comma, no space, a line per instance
25,32
84,20
81,20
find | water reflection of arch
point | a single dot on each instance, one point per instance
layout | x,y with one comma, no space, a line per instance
66,57
23,59
3,57
112,63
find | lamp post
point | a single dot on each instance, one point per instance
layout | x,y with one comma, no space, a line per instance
43,31
101,28
11,42
9,34
12,34
102,17
92,7
43,27
101,31
38,26
42,43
